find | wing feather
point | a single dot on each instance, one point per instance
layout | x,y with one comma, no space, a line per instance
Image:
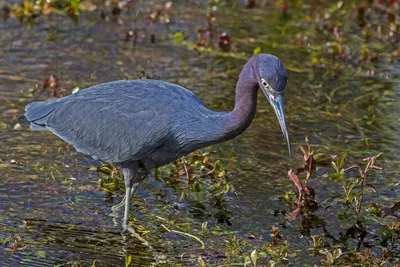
118,121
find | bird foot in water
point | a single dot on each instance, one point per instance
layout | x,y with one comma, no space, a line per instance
117,208
130,231
159,257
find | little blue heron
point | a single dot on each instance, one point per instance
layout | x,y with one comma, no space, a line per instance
143,124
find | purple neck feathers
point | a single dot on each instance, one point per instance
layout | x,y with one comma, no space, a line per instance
245,102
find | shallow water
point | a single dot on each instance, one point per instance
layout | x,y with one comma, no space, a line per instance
54,203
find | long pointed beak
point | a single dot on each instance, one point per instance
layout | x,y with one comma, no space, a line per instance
276,101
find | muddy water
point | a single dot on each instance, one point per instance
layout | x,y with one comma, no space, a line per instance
52,201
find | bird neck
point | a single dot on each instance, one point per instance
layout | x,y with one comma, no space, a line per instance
245,101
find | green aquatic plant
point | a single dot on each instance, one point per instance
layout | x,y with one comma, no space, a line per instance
198,178
353,187
271,253
110,178
277,249
354,213
128,260
305,193
31,9
198,175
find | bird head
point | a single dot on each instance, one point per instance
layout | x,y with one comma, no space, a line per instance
271,76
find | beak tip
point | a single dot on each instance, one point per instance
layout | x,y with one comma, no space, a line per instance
288,145
277,104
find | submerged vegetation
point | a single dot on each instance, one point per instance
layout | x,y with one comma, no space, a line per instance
337,208
369,231
29,10
363,240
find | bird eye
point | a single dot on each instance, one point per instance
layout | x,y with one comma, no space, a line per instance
264,82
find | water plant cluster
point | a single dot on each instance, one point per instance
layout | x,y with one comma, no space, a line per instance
338,36
370,230
27,11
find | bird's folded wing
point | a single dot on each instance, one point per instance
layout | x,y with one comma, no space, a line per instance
110,131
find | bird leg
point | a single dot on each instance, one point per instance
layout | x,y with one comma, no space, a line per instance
128,229
129,191
140,173
116,208
133,176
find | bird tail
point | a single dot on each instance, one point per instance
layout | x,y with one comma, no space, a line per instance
37,113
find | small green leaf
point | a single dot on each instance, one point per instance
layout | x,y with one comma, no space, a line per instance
178,37
337,253
253,257
198,196
351,186
341,161
336,177
201,262
335,166
247,261
257,50
128,260
329,258
204,226
41,254
352,196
